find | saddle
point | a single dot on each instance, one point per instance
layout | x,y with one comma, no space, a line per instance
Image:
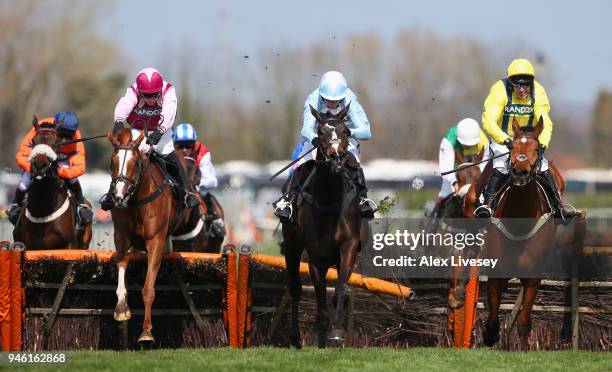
543,184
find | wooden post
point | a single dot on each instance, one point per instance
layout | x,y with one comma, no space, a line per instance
350,316
512,318
57,302
575,314
278,313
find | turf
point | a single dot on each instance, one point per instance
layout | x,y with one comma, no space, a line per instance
312,359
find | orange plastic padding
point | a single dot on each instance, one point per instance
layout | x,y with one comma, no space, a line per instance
105,256
231,300
465,317
243,309
16,308
5,300
371,284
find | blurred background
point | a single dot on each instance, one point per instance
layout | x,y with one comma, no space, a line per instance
242,71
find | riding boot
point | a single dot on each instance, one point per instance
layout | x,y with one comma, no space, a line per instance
83,209
283,207
217,227
559,211
14,210
366,206
485,201
432,225
190,201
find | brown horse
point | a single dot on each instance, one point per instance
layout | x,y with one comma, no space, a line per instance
521,245
198,235
49,219
327,224
455,211
145,211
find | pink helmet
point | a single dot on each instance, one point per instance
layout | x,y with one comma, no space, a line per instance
149,80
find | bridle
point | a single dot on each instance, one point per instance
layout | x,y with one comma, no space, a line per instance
50,169
341,157
534,167
131,183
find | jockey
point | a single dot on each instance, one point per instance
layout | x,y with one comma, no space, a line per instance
70,167
468,139
332,95
519,97
152,101
186,138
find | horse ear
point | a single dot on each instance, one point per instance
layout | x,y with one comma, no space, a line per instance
35,122
316,114
139,140
516,128
479,156
539,127
344,111
112,139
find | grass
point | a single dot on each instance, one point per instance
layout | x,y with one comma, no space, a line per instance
312,359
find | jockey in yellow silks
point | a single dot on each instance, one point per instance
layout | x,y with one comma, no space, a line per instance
519,97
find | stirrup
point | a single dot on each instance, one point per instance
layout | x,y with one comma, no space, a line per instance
280,206
195,202
483,211
370,203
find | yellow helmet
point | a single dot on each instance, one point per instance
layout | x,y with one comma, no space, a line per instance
521,66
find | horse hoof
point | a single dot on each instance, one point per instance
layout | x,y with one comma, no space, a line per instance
146,339
336,335
122,315
490,338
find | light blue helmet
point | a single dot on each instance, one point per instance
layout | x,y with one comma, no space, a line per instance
184,132
333,86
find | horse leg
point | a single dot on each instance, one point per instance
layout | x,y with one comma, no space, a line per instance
292,260
494,292
317,274
122,311
154,256
348,255
523,322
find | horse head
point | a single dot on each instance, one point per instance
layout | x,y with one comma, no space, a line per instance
333,137
470,175
524,159
126,165
43,158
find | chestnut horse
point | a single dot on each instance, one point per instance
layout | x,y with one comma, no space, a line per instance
49,218
144,214
521,245
327,224
197,235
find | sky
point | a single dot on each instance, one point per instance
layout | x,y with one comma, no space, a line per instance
572,35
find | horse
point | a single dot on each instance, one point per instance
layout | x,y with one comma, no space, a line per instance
522,245
49,218
455,210
327,225
197,235
145,214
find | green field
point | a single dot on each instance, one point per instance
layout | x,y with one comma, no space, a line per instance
312,359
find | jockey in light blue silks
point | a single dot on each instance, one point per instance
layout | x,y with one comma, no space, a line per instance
332,95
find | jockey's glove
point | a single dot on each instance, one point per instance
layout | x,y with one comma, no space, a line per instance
541,149
315,142
155,136
508,143
118,125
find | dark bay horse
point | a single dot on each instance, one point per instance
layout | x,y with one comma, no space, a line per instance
198,235
523,244
144,214
49,219
327,225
